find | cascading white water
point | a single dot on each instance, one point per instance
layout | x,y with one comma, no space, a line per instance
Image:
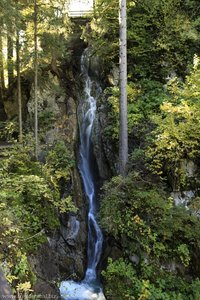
95,238
89,288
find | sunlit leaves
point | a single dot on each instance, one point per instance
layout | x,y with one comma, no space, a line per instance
178,127
152,233
162,36
30,201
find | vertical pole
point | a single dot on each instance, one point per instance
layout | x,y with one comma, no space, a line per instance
123,132
10,55
2,79
19,97
36,79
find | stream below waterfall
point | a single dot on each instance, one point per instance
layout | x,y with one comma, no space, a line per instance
90,288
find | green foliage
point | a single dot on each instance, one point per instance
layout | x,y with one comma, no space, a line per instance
25,190
184,254
123,282
46,119
66,205
53,28
176,136
167,32
102,31
162,36
144,99
8,128
145,223
60,161
119,278
29,202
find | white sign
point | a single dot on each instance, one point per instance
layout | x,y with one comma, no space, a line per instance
80,7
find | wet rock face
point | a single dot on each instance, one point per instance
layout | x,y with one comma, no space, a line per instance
99,151
71,255
64,256
46,268
96,67
72,245
73,228
104,151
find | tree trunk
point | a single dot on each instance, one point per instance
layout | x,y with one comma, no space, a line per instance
5,290
19,97
2,79
10,57
123,134
36,79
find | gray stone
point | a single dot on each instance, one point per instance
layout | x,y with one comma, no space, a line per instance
173,267
51,136
71,232
188,167
113,77
46,101
98,149
45,266
134,259
182,198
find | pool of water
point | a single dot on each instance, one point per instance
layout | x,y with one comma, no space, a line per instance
71,290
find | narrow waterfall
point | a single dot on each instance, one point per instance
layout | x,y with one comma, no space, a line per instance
90,287
95,238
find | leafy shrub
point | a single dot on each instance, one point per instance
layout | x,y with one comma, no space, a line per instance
145,223
176,136
124,282
144,99
29,204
